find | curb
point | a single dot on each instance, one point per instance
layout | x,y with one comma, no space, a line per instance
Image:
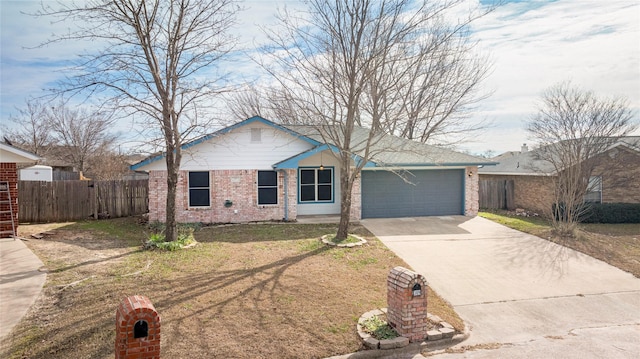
413,349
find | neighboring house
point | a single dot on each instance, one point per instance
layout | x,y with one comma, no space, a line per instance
10,157
533,179
257,170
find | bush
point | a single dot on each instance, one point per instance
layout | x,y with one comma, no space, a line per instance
185,236
612,213
378,328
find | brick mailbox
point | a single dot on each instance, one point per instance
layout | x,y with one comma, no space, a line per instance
407,303
137,329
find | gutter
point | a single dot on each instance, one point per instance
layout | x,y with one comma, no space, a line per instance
286,195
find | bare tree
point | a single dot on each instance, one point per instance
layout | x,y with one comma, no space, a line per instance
57,132
157,62
573,128
440,88
340,65
267,102
107,166
79,134
32,130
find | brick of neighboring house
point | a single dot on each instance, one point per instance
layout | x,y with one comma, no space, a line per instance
9,173
620,171
533,193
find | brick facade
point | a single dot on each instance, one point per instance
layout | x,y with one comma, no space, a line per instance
9,173
240,187
620,171
533,193
471,196
237,186
356,199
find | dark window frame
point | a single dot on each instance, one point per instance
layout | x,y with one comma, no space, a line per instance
316,186
267,188
193,189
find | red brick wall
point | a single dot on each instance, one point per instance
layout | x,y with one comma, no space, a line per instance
620,171
534,193
238,186
406,313
471,196
131,310
356,199
9,172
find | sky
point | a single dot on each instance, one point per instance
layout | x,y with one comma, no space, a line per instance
533,45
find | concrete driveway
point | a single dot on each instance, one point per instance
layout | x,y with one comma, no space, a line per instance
518,290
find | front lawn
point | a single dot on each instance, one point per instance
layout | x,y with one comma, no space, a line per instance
616,244
245,291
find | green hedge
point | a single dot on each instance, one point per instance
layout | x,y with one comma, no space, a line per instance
604,212
612,213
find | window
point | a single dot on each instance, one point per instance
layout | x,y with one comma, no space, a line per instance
199,189
594,190
267,187
316,185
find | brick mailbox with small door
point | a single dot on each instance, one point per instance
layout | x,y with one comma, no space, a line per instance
137,329
407,303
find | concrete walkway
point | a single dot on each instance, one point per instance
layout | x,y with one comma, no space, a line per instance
525,293
20,282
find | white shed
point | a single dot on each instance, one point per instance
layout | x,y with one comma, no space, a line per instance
37,173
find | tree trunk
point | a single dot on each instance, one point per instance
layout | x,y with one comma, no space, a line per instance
170,222
173,165
346,184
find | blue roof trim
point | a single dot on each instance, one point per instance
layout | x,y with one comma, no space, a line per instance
456,164
225,131
292,162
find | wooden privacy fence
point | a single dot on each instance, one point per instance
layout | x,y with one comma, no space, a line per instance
496,194
59,201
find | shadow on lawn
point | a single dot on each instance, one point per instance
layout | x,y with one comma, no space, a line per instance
90,330
203,283
253,233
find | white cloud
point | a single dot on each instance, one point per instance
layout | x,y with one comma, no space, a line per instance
536,44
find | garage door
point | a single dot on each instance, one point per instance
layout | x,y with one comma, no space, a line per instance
431,193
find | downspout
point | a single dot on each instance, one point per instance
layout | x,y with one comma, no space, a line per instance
286,195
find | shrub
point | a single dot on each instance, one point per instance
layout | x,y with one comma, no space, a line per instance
378,328
185,237
612,213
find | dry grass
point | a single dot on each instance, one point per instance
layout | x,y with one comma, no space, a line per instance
616,244
246,291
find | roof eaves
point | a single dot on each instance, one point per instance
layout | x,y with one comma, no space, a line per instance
439,164
538,174
225,131
19,152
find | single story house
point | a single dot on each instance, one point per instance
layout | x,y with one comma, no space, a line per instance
533,178
10,157
257,170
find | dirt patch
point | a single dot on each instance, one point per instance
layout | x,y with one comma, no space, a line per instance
614,246
249,291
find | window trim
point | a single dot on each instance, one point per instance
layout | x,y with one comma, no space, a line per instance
258,187
590,191
315,184
189,188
